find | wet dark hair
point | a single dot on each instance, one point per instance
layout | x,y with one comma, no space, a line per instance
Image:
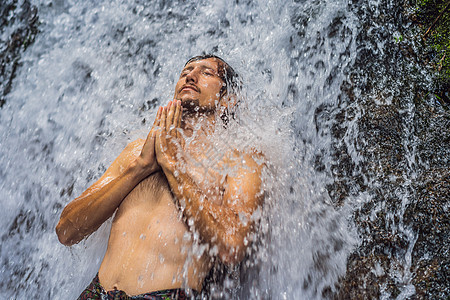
233,83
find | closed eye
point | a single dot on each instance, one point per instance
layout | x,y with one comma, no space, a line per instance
185,72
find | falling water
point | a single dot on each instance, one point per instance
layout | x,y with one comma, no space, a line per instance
97,71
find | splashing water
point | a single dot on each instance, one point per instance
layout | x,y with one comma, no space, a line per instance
92,82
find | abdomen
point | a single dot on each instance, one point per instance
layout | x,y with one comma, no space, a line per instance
149,243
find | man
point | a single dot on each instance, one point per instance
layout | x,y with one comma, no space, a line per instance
177,208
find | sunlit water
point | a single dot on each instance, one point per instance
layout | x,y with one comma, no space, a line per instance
92,82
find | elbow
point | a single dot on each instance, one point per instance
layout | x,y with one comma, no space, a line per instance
232,252
231,259
64,235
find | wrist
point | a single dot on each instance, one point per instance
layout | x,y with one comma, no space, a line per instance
142,169
166,163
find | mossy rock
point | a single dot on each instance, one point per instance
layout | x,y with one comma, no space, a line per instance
433,16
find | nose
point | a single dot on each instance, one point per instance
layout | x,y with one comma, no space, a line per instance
192,76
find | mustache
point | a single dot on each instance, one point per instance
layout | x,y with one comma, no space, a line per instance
193,86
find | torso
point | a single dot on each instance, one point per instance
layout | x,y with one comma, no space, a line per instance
150,245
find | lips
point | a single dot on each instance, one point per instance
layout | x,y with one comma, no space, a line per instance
189,87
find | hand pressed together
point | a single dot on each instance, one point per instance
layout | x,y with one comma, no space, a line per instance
169,139
147,158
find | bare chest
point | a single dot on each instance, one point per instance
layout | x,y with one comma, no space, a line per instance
148,221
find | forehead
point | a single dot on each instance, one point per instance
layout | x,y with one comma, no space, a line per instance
210,63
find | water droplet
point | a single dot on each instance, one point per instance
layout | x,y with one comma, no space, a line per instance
142,237
186,237
141,281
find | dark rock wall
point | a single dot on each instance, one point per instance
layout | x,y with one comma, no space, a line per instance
404,139
18,25
429,213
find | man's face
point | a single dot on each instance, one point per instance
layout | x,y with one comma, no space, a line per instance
199,84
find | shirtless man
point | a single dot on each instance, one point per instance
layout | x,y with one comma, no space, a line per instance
173,215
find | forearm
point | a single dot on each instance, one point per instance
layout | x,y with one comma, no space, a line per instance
217,224
223,215
86,213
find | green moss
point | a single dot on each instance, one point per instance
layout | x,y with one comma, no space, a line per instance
437,40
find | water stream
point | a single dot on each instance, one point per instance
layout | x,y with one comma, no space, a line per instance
97,71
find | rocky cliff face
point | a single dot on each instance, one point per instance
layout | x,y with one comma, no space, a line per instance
18,28
404,139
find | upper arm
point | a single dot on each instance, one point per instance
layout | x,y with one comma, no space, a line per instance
243,195
86,213
128,155
243,192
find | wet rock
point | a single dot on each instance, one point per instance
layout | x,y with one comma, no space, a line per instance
429,214
403,140
18,27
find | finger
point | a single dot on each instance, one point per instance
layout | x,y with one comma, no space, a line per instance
158,117
162,123
170,113
179,130
159,133
151,135
176,114
179,123
175,119
181,115
151,140
162,140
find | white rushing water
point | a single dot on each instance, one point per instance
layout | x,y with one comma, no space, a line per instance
92,81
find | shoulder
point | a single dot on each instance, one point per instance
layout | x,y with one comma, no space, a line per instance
250,158
244,177
244,167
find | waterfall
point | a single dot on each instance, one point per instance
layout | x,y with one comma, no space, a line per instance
317,80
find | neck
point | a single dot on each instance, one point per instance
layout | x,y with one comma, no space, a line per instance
202,122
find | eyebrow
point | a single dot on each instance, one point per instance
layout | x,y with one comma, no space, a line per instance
201,66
